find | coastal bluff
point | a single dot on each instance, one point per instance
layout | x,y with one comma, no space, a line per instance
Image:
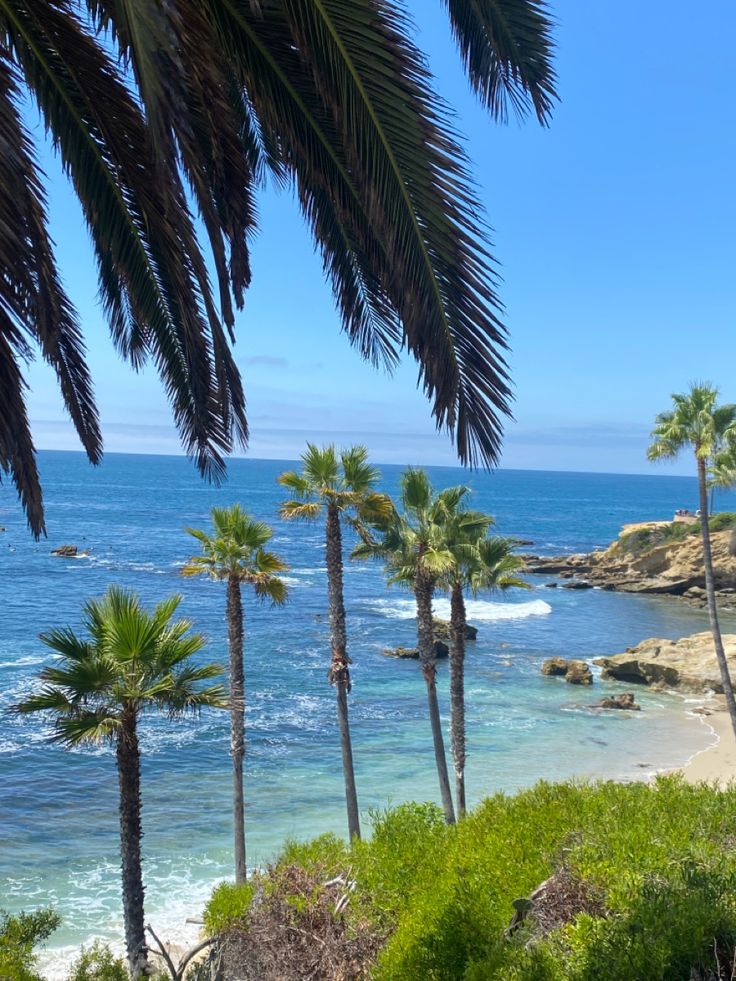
688,664
655,557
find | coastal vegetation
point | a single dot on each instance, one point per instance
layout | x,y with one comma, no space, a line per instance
170,118
699,423
562,882
129,662
340,486
641,540
20,936
234,553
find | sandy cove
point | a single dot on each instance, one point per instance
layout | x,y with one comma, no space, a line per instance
716,763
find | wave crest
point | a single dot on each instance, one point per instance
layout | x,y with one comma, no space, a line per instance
479,610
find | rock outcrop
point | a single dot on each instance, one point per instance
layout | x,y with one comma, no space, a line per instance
574,672
440,649
623,701
688,664
646,559
441,630
66,551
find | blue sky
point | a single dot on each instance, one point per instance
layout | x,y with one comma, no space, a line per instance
615,233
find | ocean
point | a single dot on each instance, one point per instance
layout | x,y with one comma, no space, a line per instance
58,809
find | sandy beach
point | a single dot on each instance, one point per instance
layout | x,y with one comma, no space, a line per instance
716,763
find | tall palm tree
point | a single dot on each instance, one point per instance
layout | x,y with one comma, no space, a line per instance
337,486
151,105
480,563
129,662
698,422
234,552
413,547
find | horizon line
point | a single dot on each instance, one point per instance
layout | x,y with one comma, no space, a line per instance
430,466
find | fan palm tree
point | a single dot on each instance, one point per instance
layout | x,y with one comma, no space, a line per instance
722,470
413,547
700,424
480,563
152,105
337,486
234,552
128,663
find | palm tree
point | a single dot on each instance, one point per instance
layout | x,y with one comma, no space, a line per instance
338,486
698,422
152,105
128,663
722,470
413,547
480,563
234,553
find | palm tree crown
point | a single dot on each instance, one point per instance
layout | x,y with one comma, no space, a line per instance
151,106
413,541
129,659
235,548
697,421
345,480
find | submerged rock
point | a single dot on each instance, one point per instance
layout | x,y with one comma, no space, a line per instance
66,551
688,664
622,701
441,650
574,672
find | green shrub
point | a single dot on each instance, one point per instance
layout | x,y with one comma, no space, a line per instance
98,963
722,521
641,540
227,906
659,858
19,936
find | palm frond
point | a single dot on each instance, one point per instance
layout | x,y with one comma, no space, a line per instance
300,510
152,276
31,293
508,52
384,186
297,483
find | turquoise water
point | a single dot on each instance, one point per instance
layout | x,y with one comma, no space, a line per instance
58,823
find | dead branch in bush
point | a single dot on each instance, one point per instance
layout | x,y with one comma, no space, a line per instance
555,902
298,931
177,971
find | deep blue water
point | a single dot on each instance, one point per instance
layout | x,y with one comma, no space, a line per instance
58,823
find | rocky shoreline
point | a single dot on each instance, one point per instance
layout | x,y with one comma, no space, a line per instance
688,664
648,559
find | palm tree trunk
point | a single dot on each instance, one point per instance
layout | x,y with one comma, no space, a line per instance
423,590
457,692
237,719
339,671
131,832
711,596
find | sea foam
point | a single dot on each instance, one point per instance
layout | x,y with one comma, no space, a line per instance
477,610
